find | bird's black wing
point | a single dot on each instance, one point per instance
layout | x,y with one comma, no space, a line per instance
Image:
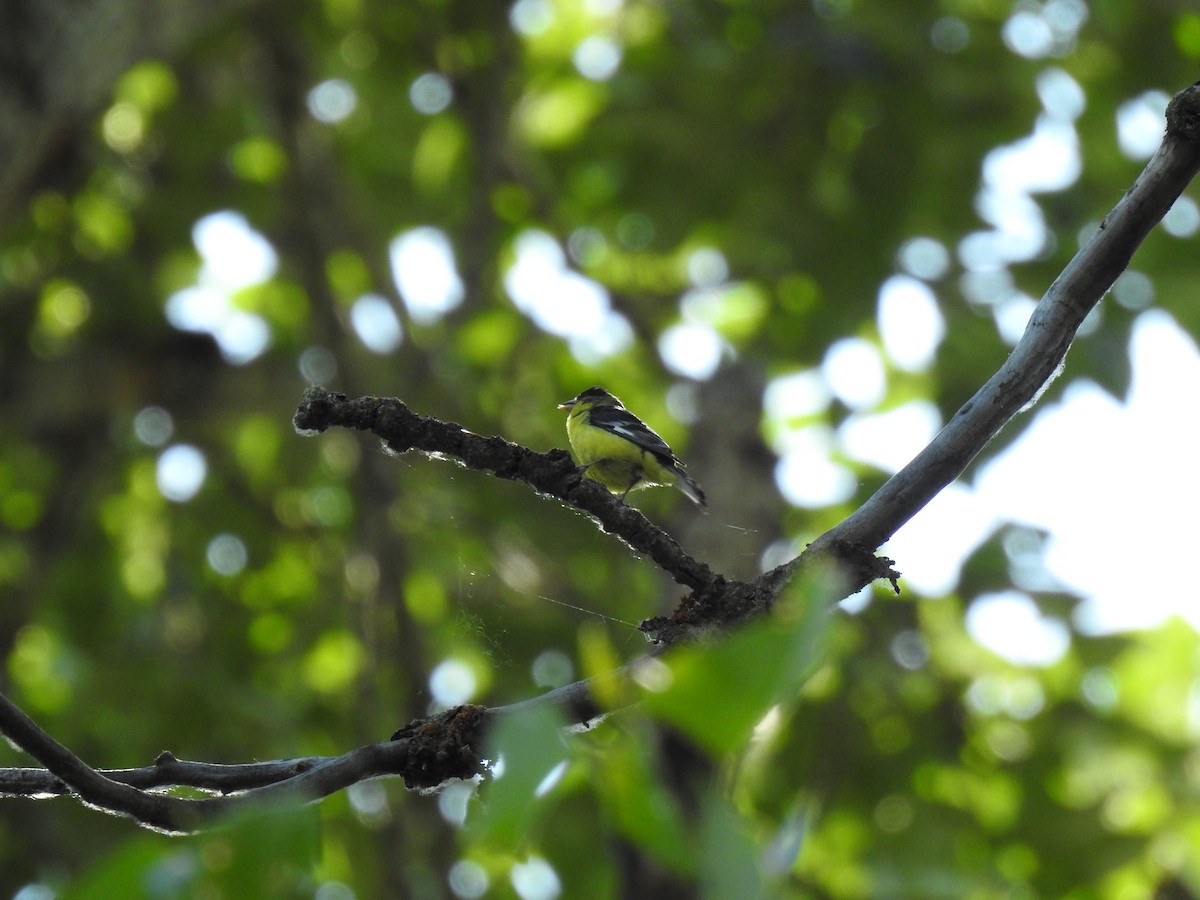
625,424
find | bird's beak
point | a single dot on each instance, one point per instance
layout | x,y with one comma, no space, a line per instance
569,404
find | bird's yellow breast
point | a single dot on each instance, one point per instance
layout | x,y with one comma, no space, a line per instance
615,462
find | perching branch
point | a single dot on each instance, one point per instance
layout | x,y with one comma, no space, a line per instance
431,750
552,473
716,604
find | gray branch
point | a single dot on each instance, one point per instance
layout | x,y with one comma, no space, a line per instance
1042,348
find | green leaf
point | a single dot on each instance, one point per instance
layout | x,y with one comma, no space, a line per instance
718,693
262,852
526,746
729,864
641,806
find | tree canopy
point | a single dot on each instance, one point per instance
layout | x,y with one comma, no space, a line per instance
771,229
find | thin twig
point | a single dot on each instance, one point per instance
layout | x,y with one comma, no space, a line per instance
425,753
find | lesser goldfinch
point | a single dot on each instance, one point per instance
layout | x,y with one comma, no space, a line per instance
619,450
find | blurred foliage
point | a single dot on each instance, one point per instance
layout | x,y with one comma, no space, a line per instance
745,170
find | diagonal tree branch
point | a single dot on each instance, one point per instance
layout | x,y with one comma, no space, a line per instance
1041,350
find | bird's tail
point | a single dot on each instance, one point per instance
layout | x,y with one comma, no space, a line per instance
688,486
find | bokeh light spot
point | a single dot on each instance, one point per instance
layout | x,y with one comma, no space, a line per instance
535,879
452,682
806,475
123,127
853,369
423,267
1028,34
889,440
376,324
317,365
934,543
468,880
561,301
949,34
235,257
691,350
1010,625
707,267
910,323
531,17
1182,219
1140,124
180,472
797,395
334,662
234,254
552,668
332,101
924,257
1061,95
431,93
1133,289
597,57
226,554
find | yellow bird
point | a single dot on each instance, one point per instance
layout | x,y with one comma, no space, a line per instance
619,450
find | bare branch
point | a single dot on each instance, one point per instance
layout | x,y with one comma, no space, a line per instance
92,787
426,752
167,771
553,473
1041,350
